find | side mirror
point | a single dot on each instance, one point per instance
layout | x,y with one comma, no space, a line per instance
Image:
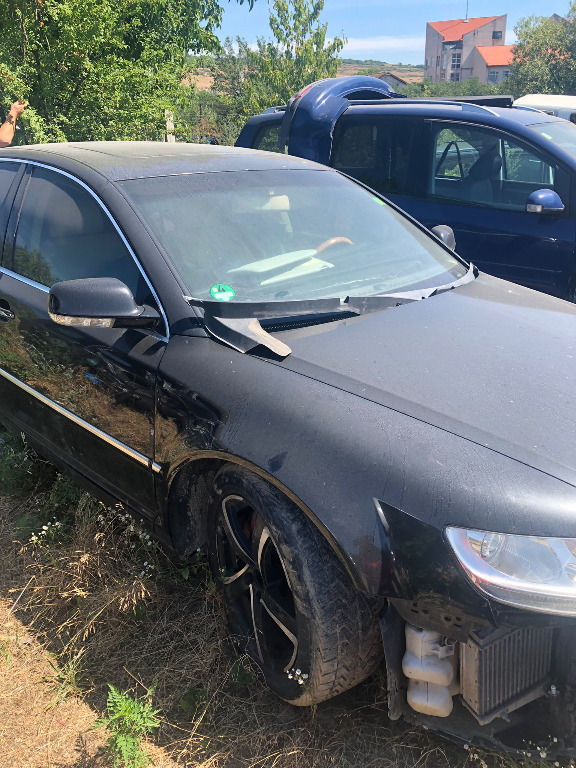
446,234
544,201
97,302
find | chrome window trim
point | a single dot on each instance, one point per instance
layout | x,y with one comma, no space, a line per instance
23,279
114,224
139,457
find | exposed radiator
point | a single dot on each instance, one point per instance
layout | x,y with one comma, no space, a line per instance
501,670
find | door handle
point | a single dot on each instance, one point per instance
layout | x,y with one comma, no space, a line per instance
6,314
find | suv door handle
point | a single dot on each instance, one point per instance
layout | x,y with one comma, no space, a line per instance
6,314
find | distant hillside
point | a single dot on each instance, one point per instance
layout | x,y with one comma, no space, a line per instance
203,80
410,72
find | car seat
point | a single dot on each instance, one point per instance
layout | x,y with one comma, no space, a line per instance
480,184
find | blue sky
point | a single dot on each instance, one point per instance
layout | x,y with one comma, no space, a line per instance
389,30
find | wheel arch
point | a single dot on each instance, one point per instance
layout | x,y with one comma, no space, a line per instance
188,490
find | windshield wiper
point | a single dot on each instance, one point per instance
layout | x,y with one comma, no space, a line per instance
366,304
237,324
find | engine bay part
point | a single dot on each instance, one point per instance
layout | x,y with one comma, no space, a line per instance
430,664
496,671
501,670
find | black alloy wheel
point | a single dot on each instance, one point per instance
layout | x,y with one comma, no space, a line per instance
256,586
290,605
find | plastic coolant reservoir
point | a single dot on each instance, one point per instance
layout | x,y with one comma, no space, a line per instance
431,671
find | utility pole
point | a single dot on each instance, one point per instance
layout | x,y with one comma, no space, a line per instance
169,117
467,1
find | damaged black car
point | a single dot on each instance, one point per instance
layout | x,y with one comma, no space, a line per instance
374,442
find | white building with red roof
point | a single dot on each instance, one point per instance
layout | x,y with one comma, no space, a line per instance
463,48
491,63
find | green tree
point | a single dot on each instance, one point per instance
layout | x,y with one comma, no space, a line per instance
447,89
545,56
205,116
99,69
300,53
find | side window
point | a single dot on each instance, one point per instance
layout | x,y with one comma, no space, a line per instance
382,152
63,234
8,173
477,166
267,138
523,165
454,156
355,147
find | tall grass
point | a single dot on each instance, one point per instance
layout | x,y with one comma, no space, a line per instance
115,609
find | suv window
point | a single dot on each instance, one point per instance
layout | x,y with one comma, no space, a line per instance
63,234
382,152
522,165
7,175
478,166
267,137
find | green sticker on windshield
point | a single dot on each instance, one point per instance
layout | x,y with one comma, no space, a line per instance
377,200
222,292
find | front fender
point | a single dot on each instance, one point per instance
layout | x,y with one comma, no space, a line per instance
342,459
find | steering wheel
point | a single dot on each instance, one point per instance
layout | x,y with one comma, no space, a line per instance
445,154
332,241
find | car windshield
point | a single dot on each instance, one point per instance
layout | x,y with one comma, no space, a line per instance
560,132
283,235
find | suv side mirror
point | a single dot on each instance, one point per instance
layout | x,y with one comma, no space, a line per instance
446,234
101,302
544,201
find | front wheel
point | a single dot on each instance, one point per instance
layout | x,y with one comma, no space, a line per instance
291,607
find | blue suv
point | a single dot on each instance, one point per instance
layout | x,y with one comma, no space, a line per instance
503,177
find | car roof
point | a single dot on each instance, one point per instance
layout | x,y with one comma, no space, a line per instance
119,160
503,117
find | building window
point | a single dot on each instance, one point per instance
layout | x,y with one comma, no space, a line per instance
497,35
437,61
444,61
455,77
506,74
456,60
493,76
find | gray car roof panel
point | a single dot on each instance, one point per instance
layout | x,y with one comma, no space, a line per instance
118,160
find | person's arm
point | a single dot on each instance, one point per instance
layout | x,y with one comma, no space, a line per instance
8,126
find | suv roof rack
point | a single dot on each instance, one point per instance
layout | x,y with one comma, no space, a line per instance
451,103
531,109
482,101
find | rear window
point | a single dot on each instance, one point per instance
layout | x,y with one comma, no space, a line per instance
267,138
382,152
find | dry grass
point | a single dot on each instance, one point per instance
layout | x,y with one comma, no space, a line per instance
203,80
406,72
77,599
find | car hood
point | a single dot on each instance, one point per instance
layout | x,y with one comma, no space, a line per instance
491,361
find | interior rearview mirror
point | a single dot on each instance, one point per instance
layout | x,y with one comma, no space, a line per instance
98,302
544,201
446,234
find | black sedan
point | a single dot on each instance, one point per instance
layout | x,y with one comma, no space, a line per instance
374,442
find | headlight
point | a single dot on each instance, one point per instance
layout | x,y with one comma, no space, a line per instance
526,571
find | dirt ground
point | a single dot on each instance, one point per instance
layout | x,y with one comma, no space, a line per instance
37,729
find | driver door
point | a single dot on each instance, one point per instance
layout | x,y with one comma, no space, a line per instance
84,395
